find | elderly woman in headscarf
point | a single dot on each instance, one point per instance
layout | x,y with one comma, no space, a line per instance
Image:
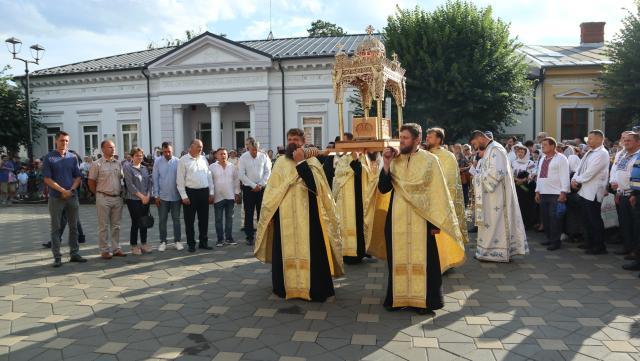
524,176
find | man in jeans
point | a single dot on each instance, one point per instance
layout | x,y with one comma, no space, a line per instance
552,187
105,175
62,174
165,190
227,193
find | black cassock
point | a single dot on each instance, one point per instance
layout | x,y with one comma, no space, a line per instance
357,187
328,168
321,286
435,299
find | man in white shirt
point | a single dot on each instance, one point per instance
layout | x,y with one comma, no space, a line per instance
254,170
227,186
551,188
195,186
590,181
620,182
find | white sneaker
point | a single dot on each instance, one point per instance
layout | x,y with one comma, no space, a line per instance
179,246
231,242
162,247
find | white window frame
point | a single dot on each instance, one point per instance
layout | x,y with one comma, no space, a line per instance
122,133
97,133
53,136
321,127
128,117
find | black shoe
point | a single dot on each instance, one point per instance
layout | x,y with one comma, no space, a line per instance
596,251
46,245
77,258
622,252
57,263
553,247
81,239
424,311
632,266
205,246
584,246
192,249
546,243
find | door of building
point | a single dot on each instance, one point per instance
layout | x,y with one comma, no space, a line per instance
241,131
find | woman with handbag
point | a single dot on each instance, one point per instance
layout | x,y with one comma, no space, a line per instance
138,188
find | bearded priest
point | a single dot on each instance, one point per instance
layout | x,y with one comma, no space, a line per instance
420,208
298,230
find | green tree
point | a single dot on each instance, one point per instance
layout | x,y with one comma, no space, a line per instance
463,68
325,28
14,131
620,82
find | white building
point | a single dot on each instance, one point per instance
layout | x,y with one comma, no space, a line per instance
210,87
223,91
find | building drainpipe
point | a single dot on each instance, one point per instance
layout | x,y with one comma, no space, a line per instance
539,82
145,72
284,125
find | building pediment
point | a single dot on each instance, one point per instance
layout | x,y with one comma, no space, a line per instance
576,93
209,52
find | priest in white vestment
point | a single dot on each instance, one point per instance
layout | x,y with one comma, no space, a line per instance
501,233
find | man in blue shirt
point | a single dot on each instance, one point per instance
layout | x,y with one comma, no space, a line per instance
62,174
165,190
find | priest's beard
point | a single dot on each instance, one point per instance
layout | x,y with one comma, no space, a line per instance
432,146
408,149
291,147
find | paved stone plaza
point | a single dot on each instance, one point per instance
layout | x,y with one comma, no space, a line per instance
217,305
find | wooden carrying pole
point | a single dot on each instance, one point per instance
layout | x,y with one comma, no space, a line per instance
341,120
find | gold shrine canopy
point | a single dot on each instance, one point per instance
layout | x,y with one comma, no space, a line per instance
371,73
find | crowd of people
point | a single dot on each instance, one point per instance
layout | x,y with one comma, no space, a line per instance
573,190
317,210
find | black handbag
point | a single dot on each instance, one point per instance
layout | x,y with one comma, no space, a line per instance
147,221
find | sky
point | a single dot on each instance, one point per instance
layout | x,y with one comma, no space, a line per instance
77,30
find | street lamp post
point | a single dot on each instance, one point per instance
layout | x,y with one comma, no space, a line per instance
14,45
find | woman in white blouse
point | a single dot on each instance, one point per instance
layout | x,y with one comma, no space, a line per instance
524,175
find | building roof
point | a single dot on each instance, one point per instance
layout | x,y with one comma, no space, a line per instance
286,48
318,47
559,56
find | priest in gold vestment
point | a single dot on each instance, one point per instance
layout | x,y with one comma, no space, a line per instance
298,229
354,190
420,208
449,165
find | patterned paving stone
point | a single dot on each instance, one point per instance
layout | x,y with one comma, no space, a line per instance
619,346
304,336
218,305
228,356
111,347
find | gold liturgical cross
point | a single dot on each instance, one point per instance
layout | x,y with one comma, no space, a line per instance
369,29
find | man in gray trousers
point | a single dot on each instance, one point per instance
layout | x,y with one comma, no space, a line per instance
62,174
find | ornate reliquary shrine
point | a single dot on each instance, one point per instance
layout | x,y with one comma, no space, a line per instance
371,72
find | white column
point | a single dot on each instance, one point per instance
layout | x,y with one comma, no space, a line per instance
178,129
216,131
252,118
